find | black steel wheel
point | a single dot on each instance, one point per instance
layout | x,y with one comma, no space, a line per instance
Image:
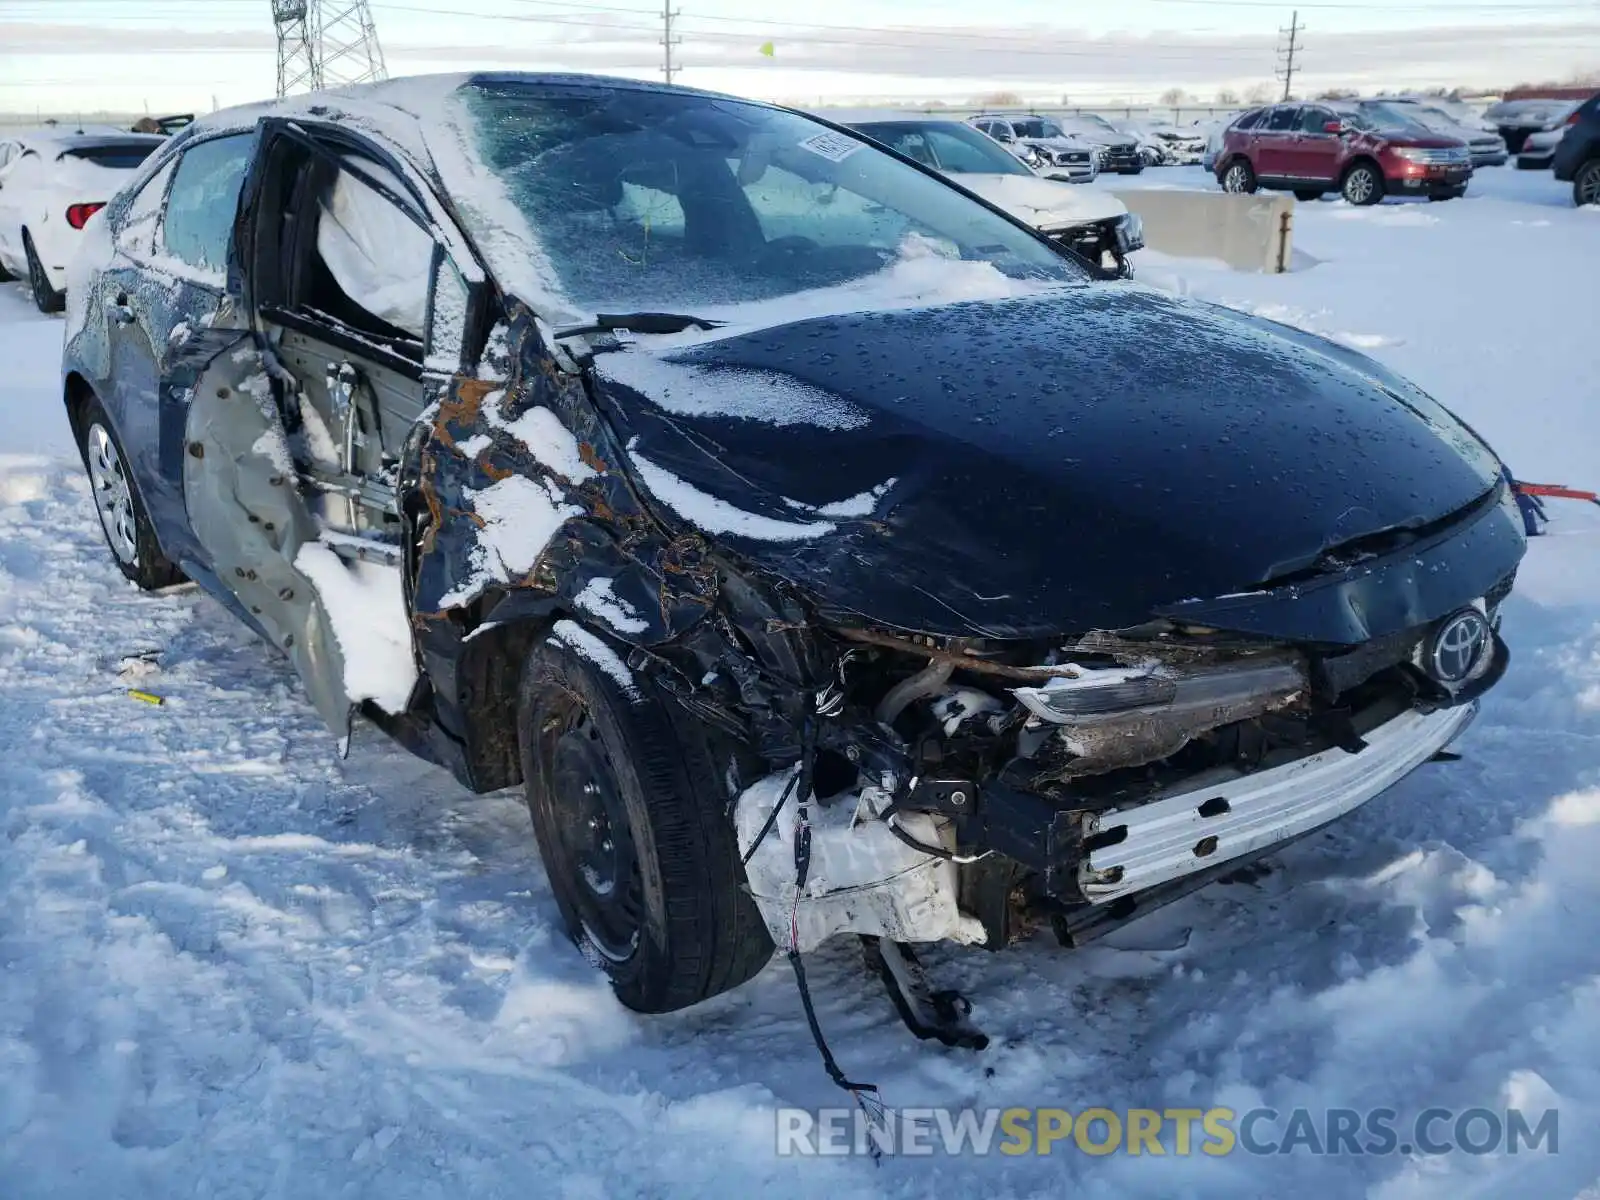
631,814
594,834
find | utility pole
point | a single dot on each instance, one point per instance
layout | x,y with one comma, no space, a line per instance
1286,54
668,16
326,44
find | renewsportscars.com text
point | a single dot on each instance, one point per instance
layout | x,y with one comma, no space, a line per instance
1167,1131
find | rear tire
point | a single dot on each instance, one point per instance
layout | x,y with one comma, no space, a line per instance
630,812
1586,184
45,297
1308,194
1363,184
130,536
1239,178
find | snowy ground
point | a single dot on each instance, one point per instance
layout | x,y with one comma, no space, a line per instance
235,966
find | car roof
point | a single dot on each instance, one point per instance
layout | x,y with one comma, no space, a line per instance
402,111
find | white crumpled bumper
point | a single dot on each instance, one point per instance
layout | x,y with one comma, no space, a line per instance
1199,828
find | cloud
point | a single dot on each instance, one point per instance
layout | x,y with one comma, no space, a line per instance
924,60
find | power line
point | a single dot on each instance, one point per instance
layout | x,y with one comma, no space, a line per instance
1286,55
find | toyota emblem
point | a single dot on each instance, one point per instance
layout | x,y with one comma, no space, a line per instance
1458,647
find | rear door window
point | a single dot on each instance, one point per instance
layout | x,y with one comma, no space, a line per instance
204,200
1282,119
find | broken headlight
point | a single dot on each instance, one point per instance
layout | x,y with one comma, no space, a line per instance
1112,691
1130,232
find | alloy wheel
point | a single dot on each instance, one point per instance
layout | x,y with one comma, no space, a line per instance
113,496
1358,188
1236,179
1587,189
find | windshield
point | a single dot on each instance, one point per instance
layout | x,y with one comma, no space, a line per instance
1036,127
946,146
666,201
1382,118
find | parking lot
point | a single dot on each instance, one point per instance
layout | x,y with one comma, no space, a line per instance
294,973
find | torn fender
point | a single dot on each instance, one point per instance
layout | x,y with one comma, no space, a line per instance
521,507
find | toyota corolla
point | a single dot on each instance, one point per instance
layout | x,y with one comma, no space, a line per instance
822,550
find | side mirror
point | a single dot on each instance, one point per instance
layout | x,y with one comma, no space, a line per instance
1333,127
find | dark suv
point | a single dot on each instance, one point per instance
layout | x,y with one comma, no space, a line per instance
1311,149
1577,158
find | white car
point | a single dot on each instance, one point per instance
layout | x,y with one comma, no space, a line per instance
1093,223
1061,156
50,185
1182,146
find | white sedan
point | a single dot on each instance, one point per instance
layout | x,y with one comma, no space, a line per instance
1094,223
50,185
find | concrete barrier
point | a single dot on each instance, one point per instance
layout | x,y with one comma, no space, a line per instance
1249,233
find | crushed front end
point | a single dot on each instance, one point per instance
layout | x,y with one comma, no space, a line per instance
973,789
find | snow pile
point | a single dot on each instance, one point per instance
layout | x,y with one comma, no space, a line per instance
546,438
861,505
519,517
599,599
714,514
694,391
579,640
366,608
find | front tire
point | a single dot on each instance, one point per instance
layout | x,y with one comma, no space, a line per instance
45,297
1363,185
1586,184
1239,178
129,534
631,817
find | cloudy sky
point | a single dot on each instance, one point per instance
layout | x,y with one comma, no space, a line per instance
168,55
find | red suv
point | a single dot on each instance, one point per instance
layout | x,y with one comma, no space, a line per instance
1364,153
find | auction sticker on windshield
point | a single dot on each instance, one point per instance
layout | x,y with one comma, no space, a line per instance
835,147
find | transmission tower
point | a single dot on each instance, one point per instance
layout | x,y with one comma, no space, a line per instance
1287,52
325,44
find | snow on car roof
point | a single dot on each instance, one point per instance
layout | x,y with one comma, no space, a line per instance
414,117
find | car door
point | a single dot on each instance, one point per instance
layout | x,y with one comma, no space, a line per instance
160,302
1314,152
359,315
1273,139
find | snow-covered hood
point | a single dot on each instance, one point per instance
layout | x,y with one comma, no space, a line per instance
1073,461
1044,203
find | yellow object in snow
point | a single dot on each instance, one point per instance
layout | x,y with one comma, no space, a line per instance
146,697
766,48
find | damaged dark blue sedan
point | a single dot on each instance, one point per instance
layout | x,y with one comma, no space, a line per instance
822,550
